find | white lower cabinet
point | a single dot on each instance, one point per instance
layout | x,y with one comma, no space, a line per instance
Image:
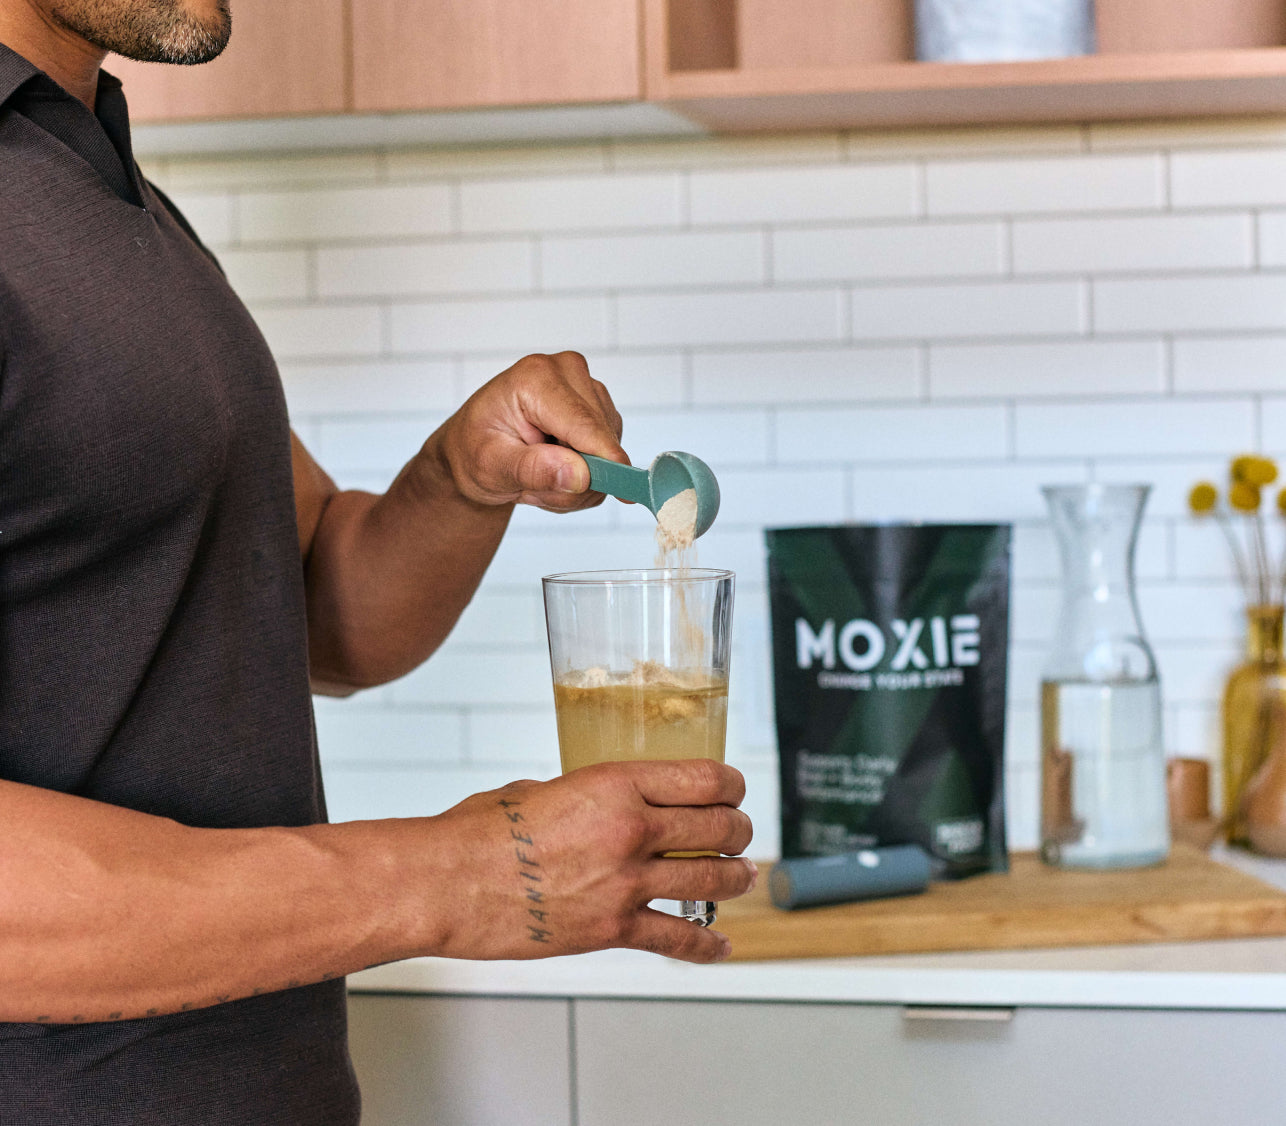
692,1063
461,1061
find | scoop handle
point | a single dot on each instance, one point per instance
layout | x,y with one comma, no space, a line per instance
624,481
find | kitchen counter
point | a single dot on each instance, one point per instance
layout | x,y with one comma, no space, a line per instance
1242,974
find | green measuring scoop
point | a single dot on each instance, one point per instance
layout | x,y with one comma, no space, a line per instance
669,473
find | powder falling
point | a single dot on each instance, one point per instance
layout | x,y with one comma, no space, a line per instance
676,523
676,532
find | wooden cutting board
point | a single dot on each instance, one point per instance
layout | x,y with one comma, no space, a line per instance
1190,897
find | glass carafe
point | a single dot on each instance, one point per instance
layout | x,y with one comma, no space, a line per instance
1103,799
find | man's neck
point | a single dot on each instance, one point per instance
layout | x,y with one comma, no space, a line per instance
68,59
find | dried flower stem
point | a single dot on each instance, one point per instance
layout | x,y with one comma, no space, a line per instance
1238,556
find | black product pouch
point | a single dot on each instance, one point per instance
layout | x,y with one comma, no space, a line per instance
890,646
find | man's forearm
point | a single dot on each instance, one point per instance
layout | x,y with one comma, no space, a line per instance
108,914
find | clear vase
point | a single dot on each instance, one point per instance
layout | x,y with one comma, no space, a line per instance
1103,787
1254,707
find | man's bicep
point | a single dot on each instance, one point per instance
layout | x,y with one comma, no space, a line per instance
313,490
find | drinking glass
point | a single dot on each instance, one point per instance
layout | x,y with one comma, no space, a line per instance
640,668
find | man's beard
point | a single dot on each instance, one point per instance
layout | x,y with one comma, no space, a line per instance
152,31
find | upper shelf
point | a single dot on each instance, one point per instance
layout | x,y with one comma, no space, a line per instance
749,65
1090,88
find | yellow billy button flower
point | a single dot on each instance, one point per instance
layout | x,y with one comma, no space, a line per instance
1244,497
1281,501
1254,470
1204,496
1262,471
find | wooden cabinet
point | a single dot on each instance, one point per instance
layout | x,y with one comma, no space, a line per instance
451,54
285,57
729,65
744,65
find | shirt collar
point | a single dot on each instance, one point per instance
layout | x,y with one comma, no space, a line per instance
14,71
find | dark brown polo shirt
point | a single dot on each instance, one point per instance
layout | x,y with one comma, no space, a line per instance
152,629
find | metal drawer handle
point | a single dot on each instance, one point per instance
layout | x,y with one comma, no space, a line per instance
1000,1014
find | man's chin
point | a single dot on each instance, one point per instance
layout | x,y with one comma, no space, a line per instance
151,31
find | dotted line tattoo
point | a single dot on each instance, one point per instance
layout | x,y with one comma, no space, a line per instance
529,872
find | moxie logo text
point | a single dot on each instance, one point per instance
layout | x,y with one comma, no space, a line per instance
916,644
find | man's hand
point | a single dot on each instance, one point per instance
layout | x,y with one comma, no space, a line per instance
565,866
508,443
388,576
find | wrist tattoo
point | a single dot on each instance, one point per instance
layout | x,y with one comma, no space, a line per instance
529,872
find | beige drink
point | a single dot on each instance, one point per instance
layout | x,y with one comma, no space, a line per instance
671,716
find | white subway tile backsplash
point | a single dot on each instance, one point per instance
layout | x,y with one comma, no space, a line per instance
794,375
499,160
501,619
1272,238
784,496
266,275
804,195
516,735
472,679
1230,363
529,324
718,437
569,546
648,379
369,387
363,793
968,310
382,446
986,492
716,152
893,434
369,736
209,213
1158,427
1273,423
658,260
1201,550
570,203
1134,244
1036,184
1171,478
1038,370
964,140
391,211
922,250
321,331
1195,672
1190,612
782,316
1195,731
1229,178
202,173
1033,612
829,321
1211,303
466,266
1022,742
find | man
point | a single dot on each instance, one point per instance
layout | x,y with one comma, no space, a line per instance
175,916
